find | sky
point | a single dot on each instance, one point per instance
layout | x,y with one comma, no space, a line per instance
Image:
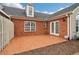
48,8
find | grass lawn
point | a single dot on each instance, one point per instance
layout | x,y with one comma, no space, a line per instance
65,48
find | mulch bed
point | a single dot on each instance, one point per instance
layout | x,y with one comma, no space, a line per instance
65,48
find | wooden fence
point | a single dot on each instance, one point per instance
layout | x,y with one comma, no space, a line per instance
6,31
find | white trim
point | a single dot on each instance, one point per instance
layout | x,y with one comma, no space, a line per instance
57,34
4,13
75,9
51,27
28,11
55,29
62,15
70,27
29,26
68,18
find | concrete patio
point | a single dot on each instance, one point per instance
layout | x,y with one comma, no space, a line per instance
27,43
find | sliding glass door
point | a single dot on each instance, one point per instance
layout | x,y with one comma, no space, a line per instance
54,28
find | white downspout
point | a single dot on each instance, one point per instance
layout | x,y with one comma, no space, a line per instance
68,26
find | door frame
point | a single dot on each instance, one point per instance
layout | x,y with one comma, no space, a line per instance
57,34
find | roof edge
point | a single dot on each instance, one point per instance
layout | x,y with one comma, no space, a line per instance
4,13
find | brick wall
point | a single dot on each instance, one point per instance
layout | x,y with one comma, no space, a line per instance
19,28
63,27
48,28
40,29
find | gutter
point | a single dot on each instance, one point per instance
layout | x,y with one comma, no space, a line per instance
61,15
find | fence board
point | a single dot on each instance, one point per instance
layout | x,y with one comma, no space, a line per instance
8,31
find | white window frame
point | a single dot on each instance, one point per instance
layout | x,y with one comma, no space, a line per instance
77,19
29,26
51,27
57,34
28,11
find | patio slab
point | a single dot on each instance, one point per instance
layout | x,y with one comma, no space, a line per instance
26,43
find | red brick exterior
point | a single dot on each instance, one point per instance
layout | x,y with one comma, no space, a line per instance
48,29
40,29
19,28
62,26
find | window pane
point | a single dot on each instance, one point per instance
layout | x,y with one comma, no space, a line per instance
27,26
77,23
33,29
32,23
77,17
57,27
27,29
32,26
30,10
27,23
52,27
76,28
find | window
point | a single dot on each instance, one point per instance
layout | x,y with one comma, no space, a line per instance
54,29
30,11
57,27
29,26
77,23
